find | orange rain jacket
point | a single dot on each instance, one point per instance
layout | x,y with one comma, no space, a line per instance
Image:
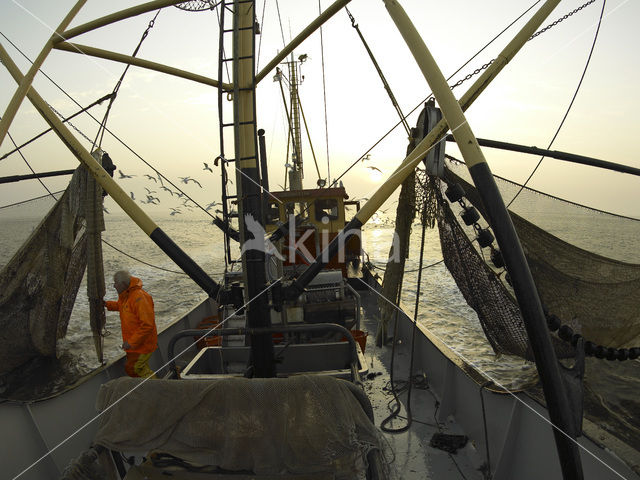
136,317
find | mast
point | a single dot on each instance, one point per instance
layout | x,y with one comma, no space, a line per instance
248,182
295,173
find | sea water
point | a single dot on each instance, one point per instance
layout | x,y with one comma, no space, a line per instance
610,387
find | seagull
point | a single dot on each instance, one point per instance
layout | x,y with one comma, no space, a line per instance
207,167
175,212
211,205
150,191
122,175
375,168
194,181
153,200
184,179
105,209
366,157
167,189
151,177
133,197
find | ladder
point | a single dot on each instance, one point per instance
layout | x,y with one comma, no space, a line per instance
229,32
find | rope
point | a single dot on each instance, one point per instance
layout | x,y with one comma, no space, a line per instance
413,338
141,261
575,94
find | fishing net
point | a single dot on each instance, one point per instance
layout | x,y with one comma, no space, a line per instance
593,294
270,426
196,5
39,284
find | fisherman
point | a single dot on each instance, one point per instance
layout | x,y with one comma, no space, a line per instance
139,334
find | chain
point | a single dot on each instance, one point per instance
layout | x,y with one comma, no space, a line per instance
564,17
475,72
69,122
548,27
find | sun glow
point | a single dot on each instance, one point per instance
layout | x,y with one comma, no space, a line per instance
375,176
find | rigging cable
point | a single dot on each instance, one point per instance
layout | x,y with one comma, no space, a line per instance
306,127
28,164
403,118
53,195
324,96
118,139
555,197
114,94
566,114
290,135
64,120
22,202
284,43
470,75
104,128
430,95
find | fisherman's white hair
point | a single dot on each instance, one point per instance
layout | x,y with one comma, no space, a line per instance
122,276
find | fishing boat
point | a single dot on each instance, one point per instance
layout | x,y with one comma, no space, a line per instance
267,376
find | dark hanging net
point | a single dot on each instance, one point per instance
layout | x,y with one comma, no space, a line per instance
595,295
39,284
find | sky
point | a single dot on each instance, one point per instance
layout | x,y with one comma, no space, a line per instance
173,123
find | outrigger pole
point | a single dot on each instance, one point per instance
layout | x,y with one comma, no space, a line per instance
568,157
546,362
147,225
560,414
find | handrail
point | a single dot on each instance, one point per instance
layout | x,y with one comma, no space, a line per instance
267,330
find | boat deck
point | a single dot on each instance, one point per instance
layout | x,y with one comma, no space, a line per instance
411,450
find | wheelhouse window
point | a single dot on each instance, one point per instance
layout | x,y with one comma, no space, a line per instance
326,208
272,215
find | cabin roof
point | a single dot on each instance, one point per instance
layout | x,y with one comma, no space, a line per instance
311,192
